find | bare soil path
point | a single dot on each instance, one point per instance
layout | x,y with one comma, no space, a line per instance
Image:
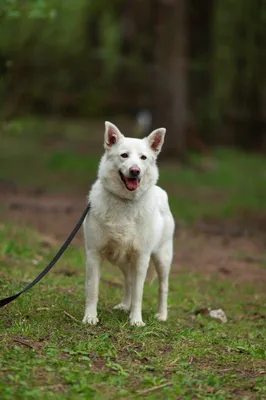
225,249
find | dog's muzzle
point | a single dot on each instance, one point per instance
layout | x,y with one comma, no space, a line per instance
132,183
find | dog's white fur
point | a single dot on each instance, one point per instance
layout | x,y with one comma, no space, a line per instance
128,228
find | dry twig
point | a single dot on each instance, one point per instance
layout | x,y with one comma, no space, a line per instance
71,317
152,389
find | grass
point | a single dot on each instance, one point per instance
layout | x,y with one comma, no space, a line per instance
47,354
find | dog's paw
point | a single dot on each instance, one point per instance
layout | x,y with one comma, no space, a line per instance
134,322
161,317
88,320
122,307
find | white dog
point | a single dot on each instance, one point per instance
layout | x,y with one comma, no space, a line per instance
130,223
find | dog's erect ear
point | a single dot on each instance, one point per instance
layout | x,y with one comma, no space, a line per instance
112,135
156,139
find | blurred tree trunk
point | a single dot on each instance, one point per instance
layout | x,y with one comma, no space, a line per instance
170,97
200,20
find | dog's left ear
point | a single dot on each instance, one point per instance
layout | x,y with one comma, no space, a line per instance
112,135
156,139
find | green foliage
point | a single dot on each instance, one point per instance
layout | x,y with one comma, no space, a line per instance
52,39
238,34
53,61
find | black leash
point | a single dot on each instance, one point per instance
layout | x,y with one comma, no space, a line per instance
60,252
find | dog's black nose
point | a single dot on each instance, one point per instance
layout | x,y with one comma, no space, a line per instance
134,172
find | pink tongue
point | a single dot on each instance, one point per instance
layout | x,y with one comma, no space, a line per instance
132,183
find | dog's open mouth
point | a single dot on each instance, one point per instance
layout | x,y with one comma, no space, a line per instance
130,183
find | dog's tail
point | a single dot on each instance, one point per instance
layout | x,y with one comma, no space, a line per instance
151,274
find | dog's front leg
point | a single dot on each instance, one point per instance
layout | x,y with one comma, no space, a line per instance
139,272
93,264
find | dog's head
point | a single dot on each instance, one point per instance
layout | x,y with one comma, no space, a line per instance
128,167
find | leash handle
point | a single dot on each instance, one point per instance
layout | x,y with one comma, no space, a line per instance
58,255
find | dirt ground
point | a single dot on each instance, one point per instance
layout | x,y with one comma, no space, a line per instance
234,250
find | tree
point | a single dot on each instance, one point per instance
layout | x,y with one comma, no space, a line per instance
170,94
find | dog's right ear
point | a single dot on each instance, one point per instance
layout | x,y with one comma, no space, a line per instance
112,135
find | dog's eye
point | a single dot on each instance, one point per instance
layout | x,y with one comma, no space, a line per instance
143,157
124,155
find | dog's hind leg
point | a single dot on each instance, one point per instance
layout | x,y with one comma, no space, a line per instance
126,302
93,264
162,260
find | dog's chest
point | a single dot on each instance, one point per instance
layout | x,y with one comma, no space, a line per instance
122,241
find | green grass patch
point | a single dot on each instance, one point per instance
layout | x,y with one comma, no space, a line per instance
46,354
234,183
